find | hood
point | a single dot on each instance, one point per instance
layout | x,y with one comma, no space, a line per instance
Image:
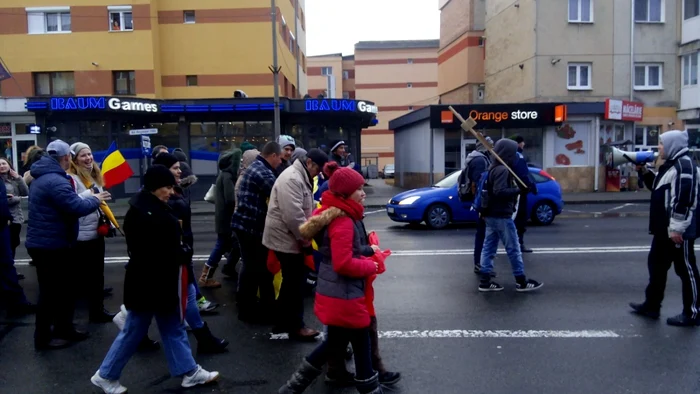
179,154
46,165
473,155
230,161
298,152
249,157
188,181
675,144
507,150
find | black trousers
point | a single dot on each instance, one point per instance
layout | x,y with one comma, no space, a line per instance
11,293
254,275
290,303
337,341
90,261
15,230
662,255
55,274
521,218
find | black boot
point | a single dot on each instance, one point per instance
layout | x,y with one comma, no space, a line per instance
369,386
301,379
207,343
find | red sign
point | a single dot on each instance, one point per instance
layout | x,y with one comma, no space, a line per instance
624,110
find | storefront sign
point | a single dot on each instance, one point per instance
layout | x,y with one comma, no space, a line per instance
624,110
332,105
503,115
100,103
143,131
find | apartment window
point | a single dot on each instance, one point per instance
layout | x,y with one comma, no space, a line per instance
581,11
191,80
120,18
48,20
409,61
125,83
409,85
481,41
579,77
690,69
410,108
648,76
188,16
480,94
648,11
346,74
346,95
691,8
646,136
326,70
54,84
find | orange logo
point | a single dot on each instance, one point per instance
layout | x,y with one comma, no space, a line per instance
447,117
492,116
560,113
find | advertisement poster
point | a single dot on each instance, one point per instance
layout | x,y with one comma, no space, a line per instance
571,144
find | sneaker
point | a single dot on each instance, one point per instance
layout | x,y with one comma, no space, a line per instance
200,376
490,287
682,321
529,285
205,305
387,378
108,386
644,310
120,318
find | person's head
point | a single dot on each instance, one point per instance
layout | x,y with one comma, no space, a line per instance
338,149
507,150
83,163
520,141
481,148
330,168
272,153
170,162
32,154
246,146
248,158
347,183
179,155
316,159
159,181
298,153
288,145
672,144
5,166
158,149
60,151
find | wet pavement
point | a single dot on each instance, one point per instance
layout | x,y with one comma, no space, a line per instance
574,336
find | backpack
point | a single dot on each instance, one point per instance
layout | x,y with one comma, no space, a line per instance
481,196
467,187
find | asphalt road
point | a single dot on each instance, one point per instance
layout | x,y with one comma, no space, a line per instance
574,336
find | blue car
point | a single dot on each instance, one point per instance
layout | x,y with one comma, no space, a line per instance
439,205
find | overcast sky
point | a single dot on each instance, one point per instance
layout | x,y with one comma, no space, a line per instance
334,26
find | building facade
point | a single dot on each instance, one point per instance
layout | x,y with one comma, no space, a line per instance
689,109
325,76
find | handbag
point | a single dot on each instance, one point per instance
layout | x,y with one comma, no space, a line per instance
211,194
104,226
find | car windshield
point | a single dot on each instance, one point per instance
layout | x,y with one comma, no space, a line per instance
448,181
389,167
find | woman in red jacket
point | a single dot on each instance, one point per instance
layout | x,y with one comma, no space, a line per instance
342,279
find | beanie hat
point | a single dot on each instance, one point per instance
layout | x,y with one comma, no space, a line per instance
345,181
298,152
286,140
158,176
245,146
179,154
166,159
518,138
319,157
77,147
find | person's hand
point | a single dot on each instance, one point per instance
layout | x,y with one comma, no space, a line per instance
14,174
524,189
376,266
375,248
103,196
677,237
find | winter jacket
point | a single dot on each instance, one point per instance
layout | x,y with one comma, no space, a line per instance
523,172
225,197
503,191
18,188
88,223
155,255
674,190
54,207
291,204
253,195
5,215
249,157
343,272
476,164
283,166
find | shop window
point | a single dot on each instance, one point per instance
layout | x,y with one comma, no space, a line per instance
326,70
648,76
690,68
204,148
191,80
646,11
48,20
188,16
694,137
572,144
646,137
120,18
258,133
230,135
691,9
580,11
54,84
124,83
579,76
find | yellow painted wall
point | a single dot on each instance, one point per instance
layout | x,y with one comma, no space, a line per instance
216,91
65,3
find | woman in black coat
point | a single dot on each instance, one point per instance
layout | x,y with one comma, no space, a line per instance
153,238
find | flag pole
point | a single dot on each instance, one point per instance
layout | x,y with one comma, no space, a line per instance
3,65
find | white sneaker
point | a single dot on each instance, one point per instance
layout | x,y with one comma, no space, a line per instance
201,376
120,318
108,386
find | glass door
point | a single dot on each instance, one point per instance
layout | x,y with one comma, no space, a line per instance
21,144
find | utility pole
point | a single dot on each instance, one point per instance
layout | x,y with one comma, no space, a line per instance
275,70
298,53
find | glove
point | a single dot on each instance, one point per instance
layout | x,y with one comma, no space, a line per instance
524,189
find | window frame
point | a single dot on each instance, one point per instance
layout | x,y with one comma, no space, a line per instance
697,8
346,95
662,12
646,85
51,75
409,84
579,8
131,76
578,85
43,12
409,61
323,71
645,133
189,79
346,74
185,13
121,10
688,69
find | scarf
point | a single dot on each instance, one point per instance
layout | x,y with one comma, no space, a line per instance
352,208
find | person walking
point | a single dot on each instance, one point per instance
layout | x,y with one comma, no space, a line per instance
673,222
15,188
288,146
155,248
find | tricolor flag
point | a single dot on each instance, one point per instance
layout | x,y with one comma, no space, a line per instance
115,169
4,73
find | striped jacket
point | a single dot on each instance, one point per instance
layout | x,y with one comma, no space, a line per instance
252,198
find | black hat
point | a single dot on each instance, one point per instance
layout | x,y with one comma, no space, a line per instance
158,176
318,156
165,159
519,139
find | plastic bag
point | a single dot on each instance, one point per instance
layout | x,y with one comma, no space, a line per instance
380,255
211,194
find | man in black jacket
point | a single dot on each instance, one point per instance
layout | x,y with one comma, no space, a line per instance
500,203
672,222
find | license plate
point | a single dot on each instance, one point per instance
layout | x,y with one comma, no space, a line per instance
390,209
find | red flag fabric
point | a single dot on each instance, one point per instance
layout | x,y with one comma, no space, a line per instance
182,291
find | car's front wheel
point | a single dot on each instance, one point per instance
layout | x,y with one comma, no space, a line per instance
543,213
437,216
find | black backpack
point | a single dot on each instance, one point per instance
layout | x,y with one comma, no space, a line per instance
467,188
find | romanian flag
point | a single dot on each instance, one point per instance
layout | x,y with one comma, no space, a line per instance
115,169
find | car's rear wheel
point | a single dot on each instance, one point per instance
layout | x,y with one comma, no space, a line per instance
543,213
437,216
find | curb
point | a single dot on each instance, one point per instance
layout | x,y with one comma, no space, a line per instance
623,201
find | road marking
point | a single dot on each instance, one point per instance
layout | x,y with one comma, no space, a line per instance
578,334
444,252
373,212
619,207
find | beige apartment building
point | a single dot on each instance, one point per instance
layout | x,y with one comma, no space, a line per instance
325,76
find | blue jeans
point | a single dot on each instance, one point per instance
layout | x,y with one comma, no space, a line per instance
172,333
479,241
223,244
503,229
192,312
